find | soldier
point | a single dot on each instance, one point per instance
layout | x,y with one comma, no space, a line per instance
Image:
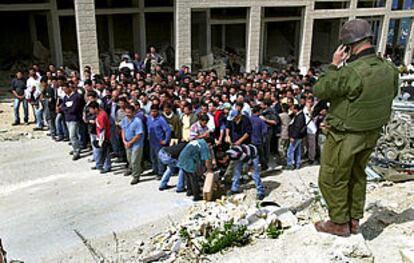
360,93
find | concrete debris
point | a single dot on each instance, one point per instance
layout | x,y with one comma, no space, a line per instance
185,239
407,255
353,247
395,145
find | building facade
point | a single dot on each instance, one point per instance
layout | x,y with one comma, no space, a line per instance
263,31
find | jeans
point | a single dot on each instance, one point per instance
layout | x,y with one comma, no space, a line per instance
16,107
61,128
50,117
73,127
157,166
255,175
94,149
39,116
171,164
294,154
134,157
103,157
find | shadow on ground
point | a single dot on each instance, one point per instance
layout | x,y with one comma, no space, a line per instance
381,218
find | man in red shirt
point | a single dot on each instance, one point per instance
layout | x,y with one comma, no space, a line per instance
103,135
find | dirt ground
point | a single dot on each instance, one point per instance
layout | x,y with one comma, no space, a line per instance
49,195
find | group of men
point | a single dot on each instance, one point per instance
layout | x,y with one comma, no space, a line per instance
188,123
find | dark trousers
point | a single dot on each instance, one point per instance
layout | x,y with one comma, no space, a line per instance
193,184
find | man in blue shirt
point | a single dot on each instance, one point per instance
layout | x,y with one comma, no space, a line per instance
190,160
259,133
133,139
159,133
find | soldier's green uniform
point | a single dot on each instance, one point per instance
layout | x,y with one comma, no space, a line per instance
360,95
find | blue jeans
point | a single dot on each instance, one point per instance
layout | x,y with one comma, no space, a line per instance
61,129
103,157
73,127
157,166
16,107
256,176
294,153
39,117
171,164
94,149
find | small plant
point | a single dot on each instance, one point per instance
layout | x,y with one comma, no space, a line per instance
184,233
274,231
231,235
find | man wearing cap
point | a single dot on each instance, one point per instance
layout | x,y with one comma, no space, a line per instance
360,93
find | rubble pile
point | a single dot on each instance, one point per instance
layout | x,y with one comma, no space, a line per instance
205,229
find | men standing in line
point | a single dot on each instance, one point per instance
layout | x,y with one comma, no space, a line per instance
18,87
159,133
72,107
103,136
133,139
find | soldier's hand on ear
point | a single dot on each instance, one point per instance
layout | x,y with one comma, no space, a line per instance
339,55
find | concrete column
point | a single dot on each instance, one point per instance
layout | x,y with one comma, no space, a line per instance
223,37
382,43
306,39
253,38
408,57
208,31
86,34
55,39
32,28
182,34
142,29
353,6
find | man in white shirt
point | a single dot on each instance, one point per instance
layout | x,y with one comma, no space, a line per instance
126,63
311,130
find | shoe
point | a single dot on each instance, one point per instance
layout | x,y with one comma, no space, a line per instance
290,168
128,173
95,168
298,167
75,157
189,193
66,139
180,191
48,134
158,177
58,139
165,187
354,226
197,198
71,153
135,181
333,228
15,123
91,160
26,123
105,171
315,163
37,129
260,197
